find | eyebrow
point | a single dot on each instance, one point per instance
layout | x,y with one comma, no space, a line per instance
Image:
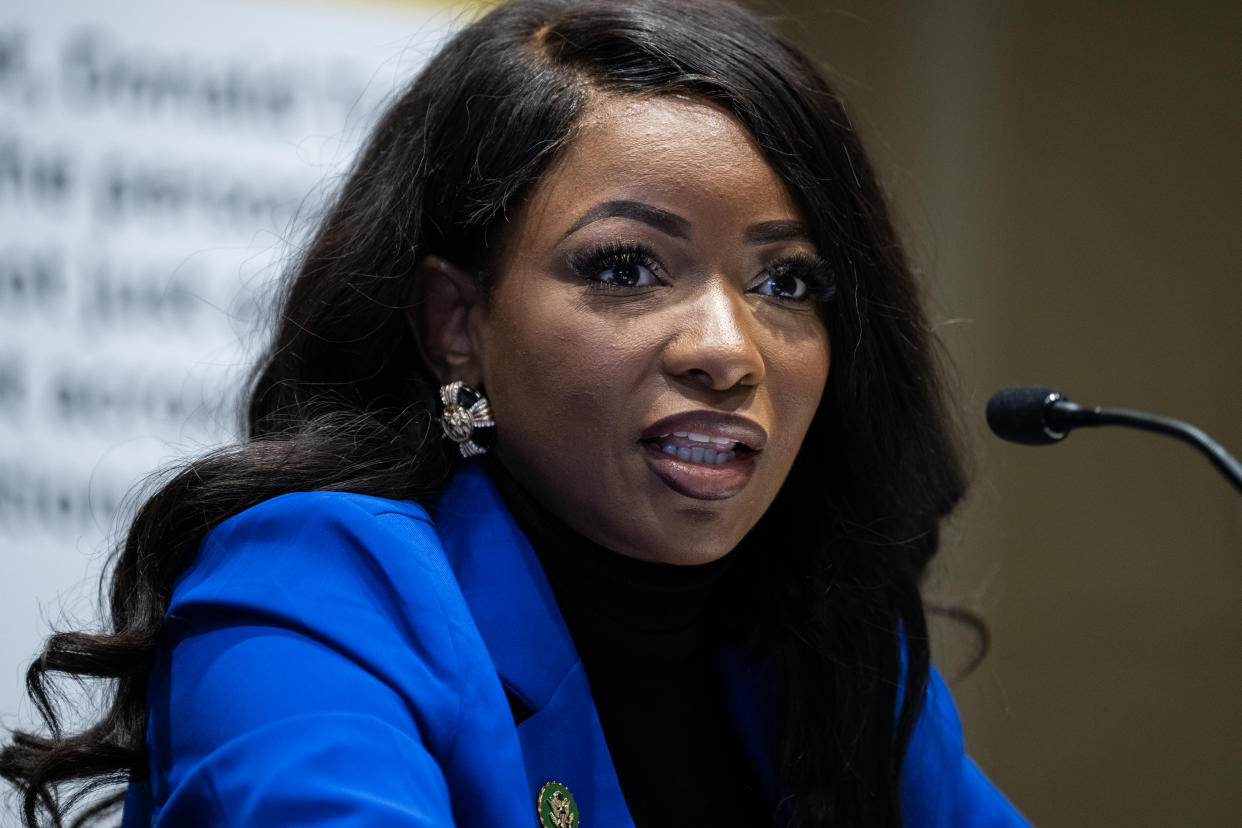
668,223
674,225
776,231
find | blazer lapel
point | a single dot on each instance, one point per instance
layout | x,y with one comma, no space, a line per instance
516,614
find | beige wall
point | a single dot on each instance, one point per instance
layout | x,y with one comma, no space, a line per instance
1069,175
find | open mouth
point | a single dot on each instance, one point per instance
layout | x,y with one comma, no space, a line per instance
706,455
704,449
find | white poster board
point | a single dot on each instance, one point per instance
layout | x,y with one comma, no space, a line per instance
158,160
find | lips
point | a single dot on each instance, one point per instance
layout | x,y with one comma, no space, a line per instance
705,455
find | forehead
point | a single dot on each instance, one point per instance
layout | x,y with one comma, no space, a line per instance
681,153
672,123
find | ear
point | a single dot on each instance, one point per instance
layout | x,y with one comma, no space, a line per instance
438,312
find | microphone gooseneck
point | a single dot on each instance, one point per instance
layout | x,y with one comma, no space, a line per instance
1038,416
1020,415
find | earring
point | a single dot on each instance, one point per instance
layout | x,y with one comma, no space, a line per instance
464,410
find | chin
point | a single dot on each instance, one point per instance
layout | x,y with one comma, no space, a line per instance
690,545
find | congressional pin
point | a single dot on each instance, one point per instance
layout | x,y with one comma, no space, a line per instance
556,807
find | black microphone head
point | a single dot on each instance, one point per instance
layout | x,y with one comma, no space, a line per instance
1019,415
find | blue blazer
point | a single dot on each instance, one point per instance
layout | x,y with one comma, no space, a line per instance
340,660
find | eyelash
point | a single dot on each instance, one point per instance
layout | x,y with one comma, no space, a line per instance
592,263
812,271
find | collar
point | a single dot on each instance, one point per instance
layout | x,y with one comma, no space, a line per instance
517,617
504,587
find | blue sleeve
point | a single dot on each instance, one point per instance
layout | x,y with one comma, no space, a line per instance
311,672
941,787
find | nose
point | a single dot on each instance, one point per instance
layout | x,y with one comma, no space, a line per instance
716,343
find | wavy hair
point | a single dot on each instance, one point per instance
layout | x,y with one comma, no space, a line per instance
340,400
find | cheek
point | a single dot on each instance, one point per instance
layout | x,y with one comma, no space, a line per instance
558,370
819,366
803,375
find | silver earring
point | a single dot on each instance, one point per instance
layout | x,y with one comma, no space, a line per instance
464,410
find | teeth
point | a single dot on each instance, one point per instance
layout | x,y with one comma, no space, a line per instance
702,438
710,451
700,454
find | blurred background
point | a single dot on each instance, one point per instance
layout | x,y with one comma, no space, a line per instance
1068,177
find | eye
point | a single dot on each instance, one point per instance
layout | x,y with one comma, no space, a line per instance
617,265
784,286
627,275
797,279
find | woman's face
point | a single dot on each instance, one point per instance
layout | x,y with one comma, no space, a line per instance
652,348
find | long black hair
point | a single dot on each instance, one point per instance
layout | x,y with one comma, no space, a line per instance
341,401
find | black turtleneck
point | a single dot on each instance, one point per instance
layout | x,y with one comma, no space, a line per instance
647,639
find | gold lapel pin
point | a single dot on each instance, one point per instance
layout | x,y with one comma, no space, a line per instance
556,807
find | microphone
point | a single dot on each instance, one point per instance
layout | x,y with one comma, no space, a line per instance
1038,416
1024,414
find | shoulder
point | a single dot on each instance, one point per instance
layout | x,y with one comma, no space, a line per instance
297,554
304,531
332,589
941,785
321,511
325,635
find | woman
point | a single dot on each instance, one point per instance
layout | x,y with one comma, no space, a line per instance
632,254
